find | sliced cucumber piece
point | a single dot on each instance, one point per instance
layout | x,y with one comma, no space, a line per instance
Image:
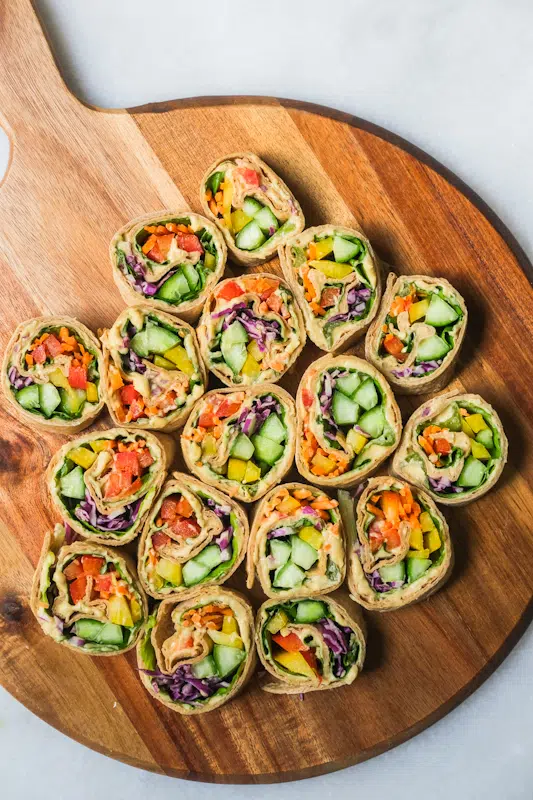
366,394
191,275
373,422
211,556
485,438
310,611
440,312
235,334
396,572
266,450
28,397
49,398
250,237
431,349
110,634
280,552
302,553
273,429
348,384
159,340
472,474
251,206
173,289
242,447
235,356
288,576
139,344
266,220
344,250
227,659
416,567
193,572
345,411
205,668
73,484
89,629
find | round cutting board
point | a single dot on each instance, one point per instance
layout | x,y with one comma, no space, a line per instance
76,175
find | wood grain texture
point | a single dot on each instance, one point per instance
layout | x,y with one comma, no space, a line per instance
77,175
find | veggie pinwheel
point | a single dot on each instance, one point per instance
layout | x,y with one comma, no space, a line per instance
454,447
296,543
251,205
169,259
195,536
251,330
310,644
199,653
104,483
398,542
336,278
348,421
51,374
153,372
241,442
416,337
86,596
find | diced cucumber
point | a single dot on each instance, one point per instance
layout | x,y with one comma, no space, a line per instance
111,634
49,398
302,553
280,551
348,384
233,346
345,411
242,447
266,220
214,181
417,567
235,333
227,659
28,397
440,312
72,400
211,556
159,339
310,611
431,349
273,429
191,275
266,450
139,343
485,438
373,422
288,576
366,394
194,572
89,629
73,484
250,237
205,668
173,289
396,572
344,250
472,474
251,206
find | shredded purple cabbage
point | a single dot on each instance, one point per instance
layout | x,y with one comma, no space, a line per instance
444,485
138,279
183,687
224,539
17,381
279,532
252,418
421,369
132,362
337,638
70,534
121,520
263,331
380,585
357,300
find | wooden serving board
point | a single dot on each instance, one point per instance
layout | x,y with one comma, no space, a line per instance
77,174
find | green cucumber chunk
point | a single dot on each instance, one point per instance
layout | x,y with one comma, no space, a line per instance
396,572
266,221
366,394
273,429
431,349
440,312
345,411
211,556
266,450
373,422
344,250
485,438
173,288
302,554
227,659
251,206
280,552
28,397
416,567
191,275
233,346
206,668
49,398
193,572
157,339
100,632
242,447
348,385
250,237
310,611
472,474
288,576
73,484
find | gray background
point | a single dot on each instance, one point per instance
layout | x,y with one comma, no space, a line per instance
454,77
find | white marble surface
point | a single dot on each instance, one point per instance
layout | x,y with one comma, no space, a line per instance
454,77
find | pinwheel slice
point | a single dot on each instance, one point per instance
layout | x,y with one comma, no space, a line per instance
87,597
251,331
454,447
398,544
251,205
418,333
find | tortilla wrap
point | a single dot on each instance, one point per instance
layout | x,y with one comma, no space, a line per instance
140,278
410,373
57,614
279,517
452,479
396,557
339,304
164,392
343,634
72,412
102,516
244,176
170,652
363,445
215,423
214,521
265,319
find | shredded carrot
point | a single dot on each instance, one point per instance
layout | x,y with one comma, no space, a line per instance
311,251
301,494
115,379
29,359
